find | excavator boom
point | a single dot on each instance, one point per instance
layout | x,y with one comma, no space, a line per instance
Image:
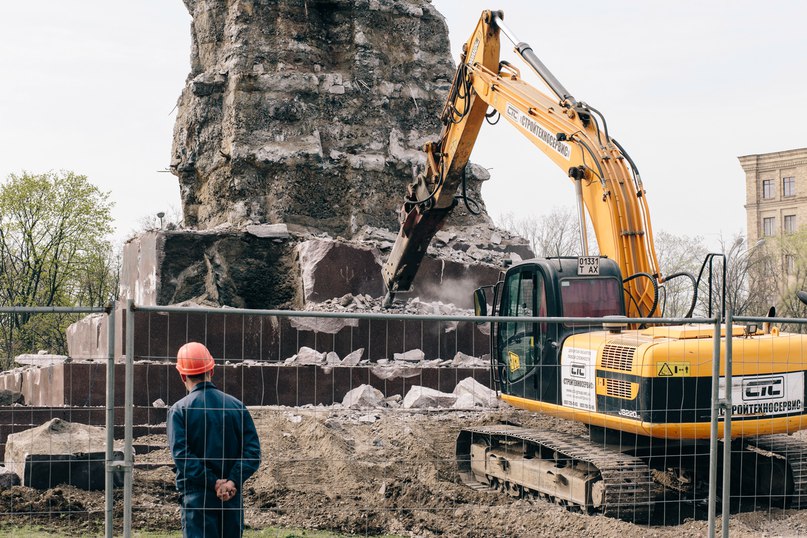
567,131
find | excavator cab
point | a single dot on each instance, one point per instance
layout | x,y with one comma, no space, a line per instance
526,354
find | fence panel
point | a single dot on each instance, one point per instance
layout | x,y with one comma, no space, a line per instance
625,398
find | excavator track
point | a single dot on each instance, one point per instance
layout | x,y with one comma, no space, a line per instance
618,485
794,451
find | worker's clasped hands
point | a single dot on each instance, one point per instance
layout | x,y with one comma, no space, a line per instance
225,489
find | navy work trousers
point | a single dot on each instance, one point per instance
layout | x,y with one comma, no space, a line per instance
205,516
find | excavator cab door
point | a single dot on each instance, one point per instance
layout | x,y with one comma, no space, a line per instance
520,344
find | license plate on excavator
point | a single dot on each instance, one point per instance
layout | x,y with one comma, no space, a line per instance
588,265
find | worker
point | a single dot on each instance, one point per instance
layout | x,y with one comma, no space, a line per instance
215,448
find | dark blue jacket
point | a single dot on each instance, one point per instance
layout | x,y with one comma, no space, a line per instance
211,435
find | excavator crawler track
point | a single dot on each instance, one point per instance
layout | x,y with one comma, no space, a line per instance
618,485
794,451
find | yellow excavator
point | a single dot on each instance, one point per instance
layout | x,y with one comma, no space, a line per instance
644,392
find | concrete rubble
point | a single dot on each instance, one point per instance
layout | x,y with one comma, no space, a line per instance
468,394
58,451
363,397
470,391
43,358
424,397
463,360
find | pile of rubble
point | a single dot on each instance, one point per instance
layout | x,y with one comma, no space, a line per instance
407,364
403,305
468,394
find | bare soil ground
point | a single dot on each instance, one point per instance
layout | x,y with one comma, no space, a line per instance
367,473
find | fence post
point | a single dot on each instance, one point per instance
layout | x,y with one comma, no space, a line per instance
109,482
713,432
726,404
128,414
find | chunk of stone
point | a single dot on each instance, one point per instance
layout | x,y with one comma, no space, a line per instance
353,358
322,325
40,359
331,269
395,371
332,358
305,356
364,396
481,395
420,397
461,360
413,355
59,452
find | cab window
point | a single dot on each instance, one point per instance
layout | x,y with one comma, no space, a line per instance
591,297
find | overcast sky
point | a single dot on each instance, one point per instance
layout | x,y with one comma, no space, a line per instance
686,87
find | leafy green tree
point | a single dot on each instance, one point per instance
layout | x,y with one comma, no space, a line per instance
54,251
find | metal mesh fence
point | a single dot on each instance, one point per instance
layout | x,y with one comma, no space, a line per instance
368,423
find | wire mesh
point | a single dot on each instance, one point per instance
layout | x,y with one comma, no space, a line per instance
622,416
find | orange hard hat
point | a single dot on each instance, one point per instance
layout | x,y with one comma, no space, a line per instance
194,359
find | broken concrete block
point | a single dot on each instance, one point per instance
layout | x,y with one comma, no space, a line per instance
40,359
59,452
332,269
423,397
353,358
479,393
413,355
394,371
363,396
305,356
461,360
322,325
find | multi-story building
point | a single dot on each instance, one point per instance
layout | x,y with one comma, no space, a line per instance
775,193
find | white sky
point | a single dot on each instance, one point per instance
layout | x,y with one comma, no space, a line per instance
686,87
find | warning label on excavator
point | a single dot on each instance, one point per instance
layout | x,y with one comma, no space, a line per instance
673,369
515,363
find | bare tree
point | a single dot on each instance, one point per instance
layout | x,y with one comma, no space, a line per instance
554,234
680,258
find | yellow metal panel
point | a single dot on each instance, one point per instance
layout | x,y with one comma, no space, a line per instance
687,430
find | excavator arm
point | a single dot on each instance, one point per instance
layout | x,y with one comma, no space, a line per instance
571,133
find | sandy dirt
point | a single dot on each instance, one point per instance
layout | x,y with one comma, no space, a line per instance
366,472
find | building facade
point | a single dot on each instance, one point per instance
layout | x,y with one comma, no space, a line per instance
775,193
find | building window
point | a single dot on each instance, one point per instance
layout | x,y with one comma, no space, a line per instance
790,264
767,189
767,226
788,186
790,224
